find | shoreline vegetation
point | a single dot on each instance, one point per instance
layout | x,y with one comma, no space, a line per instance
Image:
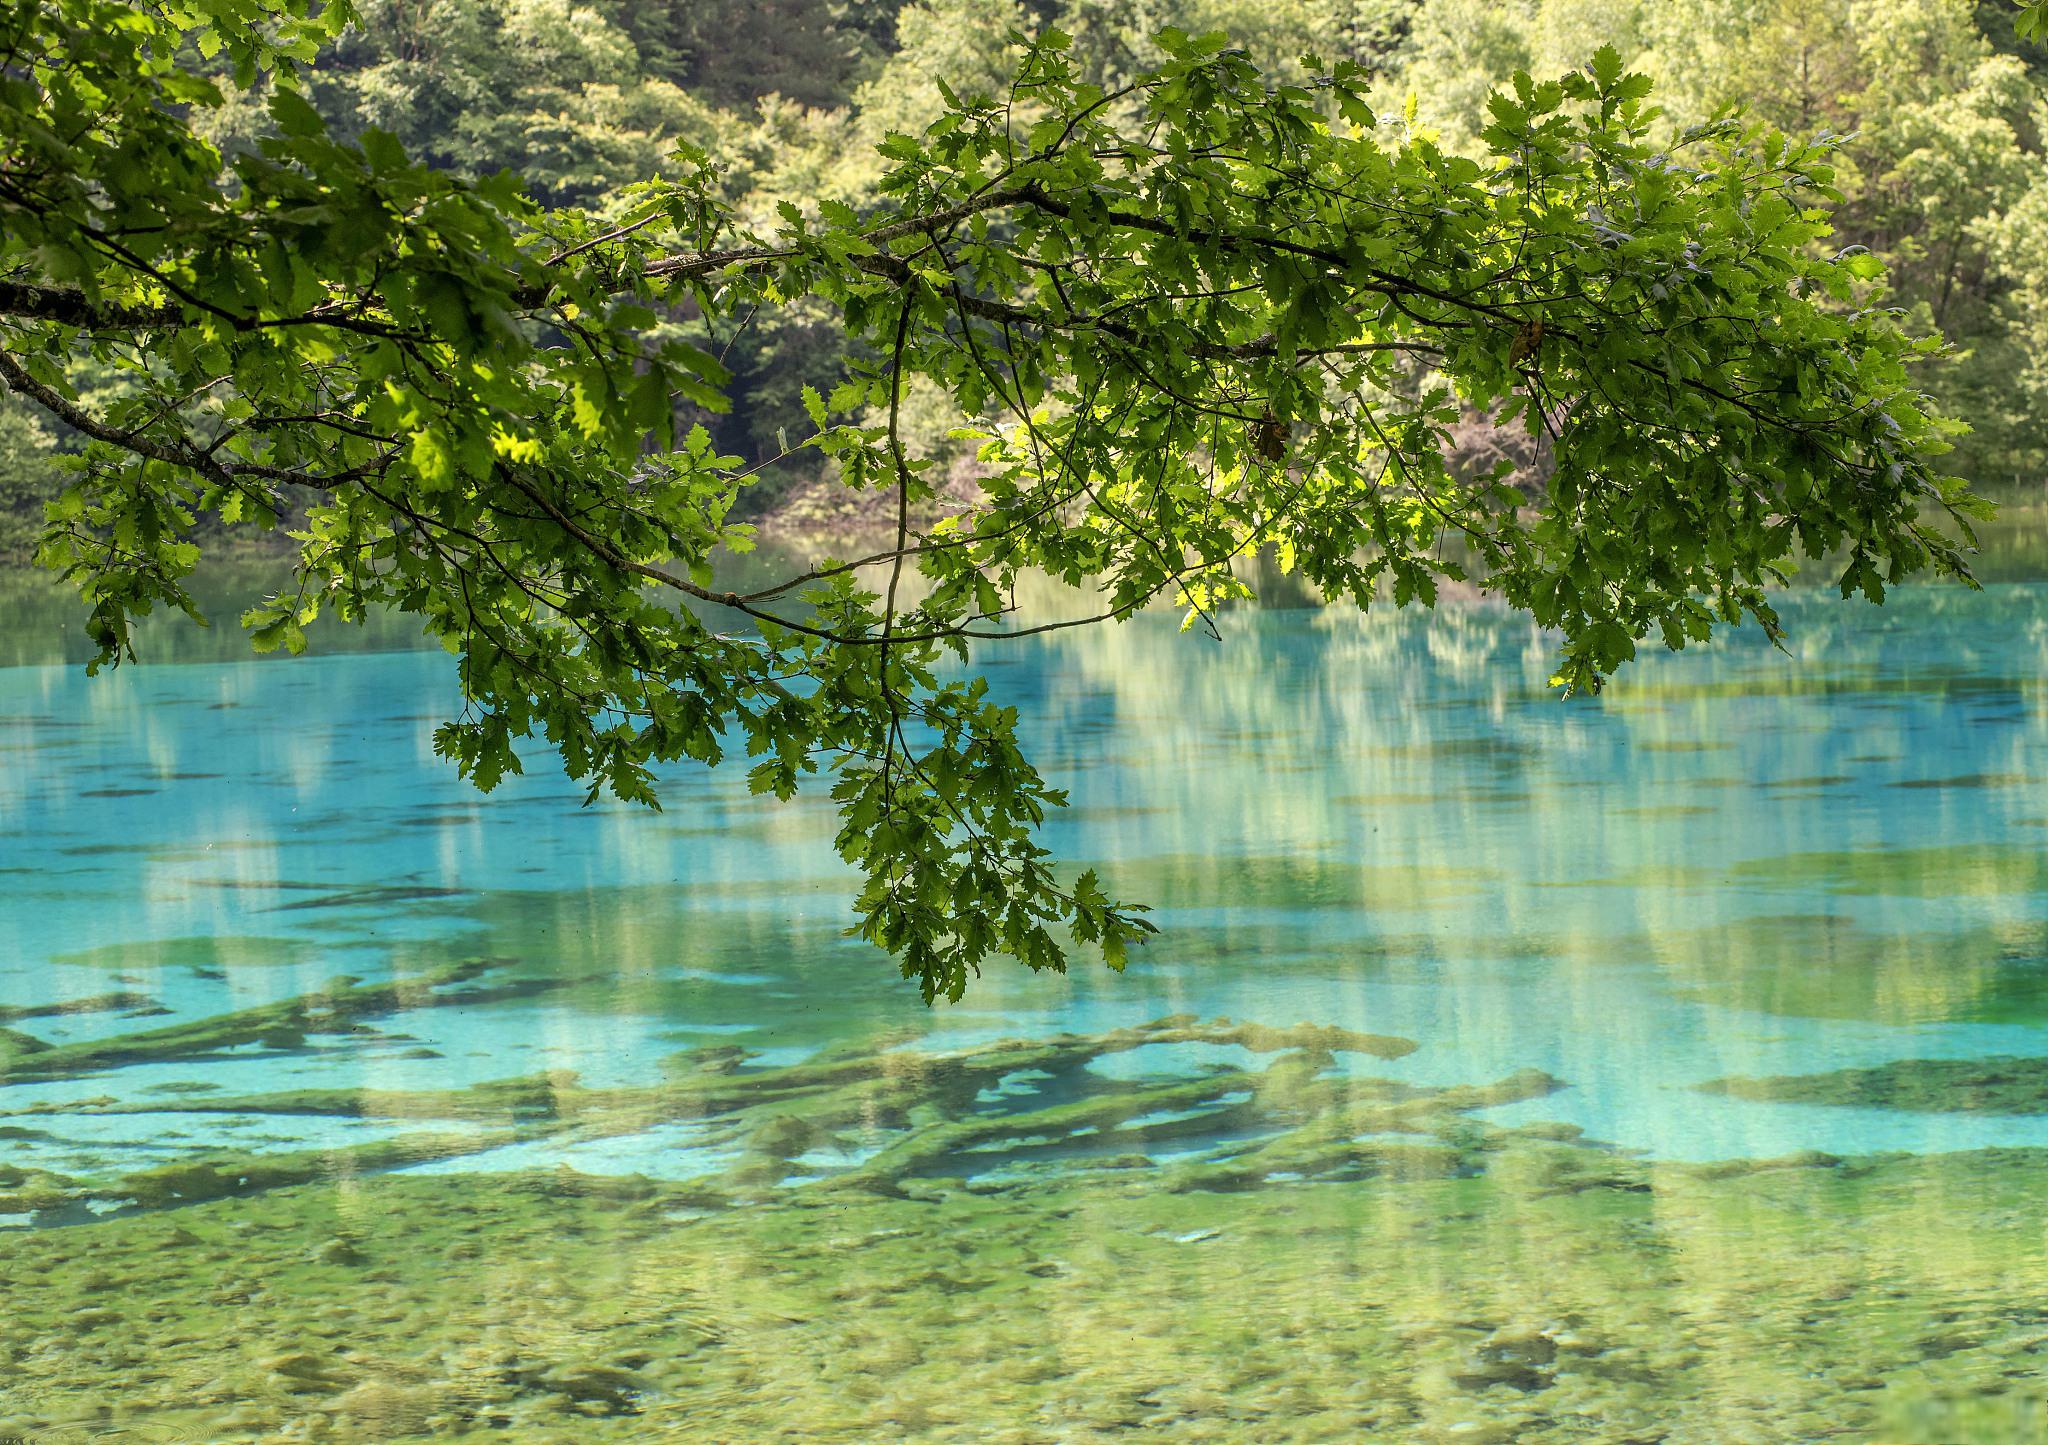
2013,547
1936,97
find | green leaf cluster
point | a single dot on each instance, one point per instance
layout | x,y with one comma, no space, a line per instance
1195,314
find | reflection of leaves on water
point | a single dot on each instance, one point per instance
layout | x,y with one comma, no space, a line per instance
1957,870
1826,966
1170,880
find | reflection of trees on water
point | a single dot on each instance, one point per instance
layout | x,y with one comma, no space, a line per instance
46,621
1326,787
1414,761
1322,776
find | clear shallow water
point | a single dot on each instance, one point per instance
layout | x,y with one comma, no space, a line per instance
1736,864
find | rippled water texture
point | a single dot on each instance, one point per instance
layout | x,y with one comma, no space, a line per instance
1663,1066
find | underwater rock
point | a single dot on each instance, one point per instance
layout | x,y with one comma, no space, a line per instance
785,1136
370,896
197,1180
17,1045
1521,1359
284,1025
707,1059
1540,1168
1475,1432
607,1385
2001,1085
1299,1159
927,1118
388,1410
301,1372
1798,1159
1559,1133
132,1003
35,1191
338,1251
1316,1038
502,1101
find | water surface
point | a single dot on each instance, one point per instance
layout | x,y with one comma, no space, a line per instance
1673,1070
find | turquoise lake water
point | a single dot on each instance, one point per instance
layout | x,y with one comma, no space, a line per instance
1736,864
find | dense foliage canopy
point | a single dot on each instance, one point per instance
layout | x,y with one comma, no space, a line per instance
1179,313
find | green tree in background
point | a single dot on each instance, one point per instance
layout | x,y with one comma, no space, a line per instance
558,91
794,99
30,473
1944,144
1198,315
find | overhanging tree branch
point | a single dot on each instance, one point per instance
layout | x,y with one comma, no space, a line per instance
1176,332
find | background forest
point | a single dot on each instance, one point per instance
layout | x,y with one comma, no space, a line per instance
1945,170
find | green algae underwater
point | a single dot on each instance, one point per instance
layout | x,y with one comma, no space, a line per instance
1368,1260
1444,1282
1666,1069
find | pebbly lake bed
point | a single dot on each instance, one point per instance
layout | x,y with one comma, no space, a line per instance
1666,1066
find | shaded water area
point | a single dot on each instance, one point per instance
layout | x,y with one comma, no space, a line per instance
1667,1066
